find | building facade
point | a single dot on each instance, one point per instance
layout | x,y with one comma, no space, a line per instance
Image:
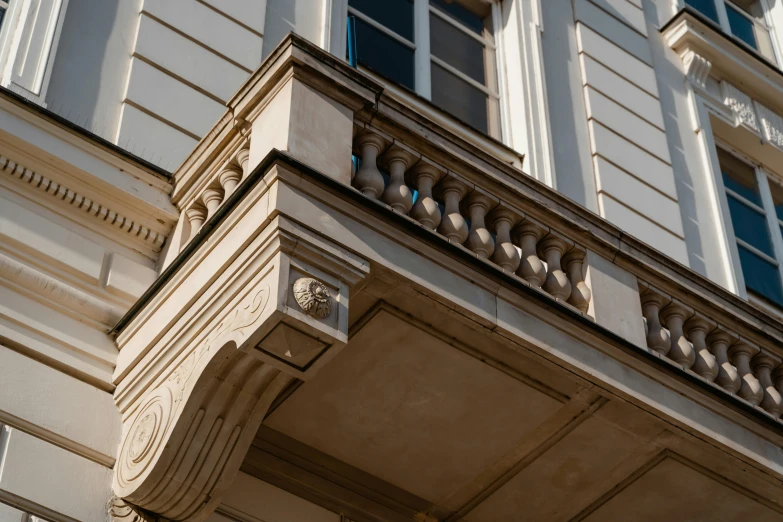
523,260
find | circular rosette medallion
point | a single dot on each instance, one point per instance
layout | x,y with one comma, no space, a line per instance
145,436
313,297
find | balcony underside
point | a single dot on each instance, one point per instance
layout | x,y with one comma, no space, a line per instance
407,420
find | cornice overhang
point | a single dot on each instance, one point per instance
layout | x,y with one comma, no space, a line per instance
695,37
93,179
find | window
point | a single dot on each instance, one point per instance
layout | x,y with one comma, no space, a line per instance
3,11
444,50
745,20
755,204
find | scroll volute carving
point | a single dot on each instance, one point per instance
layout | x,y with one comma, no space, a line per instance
190,432
186,434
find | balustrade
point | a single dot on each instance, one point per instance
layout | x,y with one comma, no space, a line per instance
712,352
470,216
223,184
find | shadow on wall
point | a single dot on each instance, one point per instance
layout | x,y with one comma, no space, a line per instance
693,190
303,17
90,69
573,168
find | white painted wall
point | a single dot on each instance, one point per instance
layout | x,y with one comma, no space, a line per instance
91,67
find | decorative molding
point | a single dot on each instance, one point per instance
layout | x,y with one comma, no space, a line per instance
121,511
197,424
741,105
771,125
313,297
697,68
75,301
73,198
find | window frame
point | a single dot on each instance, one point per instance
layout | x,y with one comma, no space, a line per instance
723,21
763,178
423,58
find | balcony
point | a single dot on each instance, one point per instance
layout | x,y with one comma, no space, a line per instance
365,309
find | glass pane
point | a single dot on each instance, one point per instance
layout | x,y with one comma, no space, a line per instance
705,7
741,26
458,97
397,15
476,19
739,177
457,49
382,53
761,277
750,226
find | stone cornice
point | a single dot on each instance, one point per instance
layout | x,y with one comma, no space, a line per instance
98,211
689,33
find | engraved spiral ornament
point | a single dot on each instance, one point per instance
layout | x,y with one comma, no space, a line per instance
145,436
313,297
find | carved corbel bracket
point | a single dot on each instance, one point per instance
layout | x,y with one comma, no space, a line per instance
697,68
283,314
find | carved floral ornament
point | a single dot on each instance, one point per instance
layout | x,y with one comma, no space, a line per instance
313,297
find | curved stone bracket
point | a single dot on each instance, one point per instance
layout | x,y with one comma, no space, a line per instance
187,434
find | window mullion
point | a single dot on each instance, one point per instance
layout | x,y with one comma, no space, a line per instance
723,16
772,219
421,32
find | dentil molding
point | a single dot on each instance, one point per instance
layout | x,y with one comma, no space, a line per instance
92,208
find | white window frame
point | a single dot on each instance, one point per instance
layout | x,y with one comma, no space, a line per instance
723,20
28,46
423,57
763,178
524,110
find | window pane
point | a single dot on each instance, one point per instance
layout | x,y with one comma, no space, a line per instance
750,226
741,26
457,49
474,19
459,98
705,7
382,53
739,177
761,277
397,15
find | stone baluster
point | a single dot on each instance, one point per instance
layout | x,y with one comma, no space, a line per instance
477,206
728,378
368,179
196,215
426,210
750,388
580,293
680,351
552,248
453,225
777,378
397,194
762,365
531,269
229,178
242,159
658,338
506,255
697,328
211,198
